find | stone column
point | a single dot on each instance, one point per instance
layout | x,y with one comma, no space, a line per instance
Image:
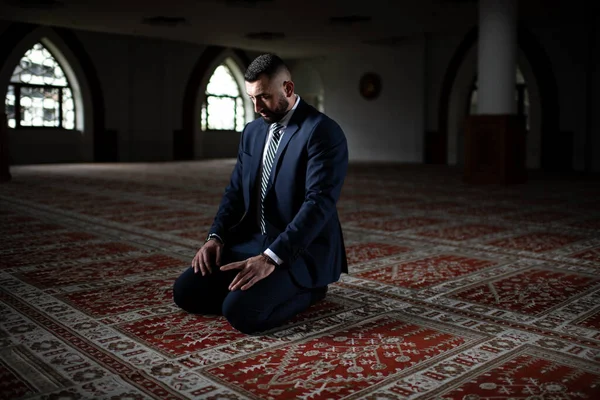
495,136
497,57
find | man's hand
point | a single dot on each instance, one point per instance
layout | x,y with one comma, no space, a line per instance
207,257
252,270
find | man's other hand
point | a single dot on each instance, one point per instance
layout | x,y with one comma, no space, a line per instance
252,270
208,257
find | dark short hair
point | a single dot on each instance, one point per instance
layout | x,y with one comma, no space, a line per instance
268,64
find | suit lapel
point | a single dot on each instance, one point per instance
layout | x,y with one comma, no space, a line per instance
290,131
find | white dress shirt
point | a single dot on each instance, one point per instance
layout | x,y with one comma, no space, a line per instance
284,121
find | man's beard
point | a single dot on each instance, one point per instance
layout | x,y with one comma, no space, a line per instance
278,114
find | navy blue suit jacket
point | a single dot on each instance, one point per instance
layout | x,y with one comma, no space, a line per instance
300,204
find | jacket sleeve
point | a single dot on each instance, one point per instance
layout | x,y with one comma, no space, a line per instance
231,208
326,169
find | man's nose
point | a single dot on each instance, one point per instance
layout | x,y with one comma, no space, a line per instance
258,106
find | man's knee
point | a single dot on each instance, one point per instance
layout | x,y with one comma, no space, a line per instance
242,317
181,291
190,297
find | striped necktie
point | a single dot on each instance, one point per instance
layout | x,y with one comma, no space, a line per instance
277,130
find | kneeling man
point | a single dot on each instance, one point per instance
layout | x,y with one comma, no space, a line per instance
276,240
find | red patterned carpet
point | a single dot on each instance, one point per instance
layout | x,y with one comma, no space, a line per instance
455,291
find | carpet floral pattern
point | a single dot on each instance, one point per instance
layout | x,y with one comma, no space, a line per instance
454,291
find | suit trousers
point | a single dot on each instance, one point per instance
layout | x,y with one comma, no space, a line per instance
267,304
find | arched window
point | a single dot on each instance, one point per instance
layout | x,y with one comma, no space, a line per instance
223,108
521,96
39,94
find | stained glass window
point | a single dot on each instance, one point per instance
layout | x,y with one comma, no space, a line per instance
39,94
224,107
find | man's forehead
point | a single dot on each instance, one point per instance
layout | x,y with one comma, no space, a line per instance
257,87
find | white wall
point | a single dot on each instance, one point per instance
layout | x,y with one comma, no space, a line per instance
390,127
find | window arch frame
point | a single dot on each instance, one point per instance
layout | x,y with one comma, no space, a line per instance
190,142
17,86
69,63
82,75
235,66
237,76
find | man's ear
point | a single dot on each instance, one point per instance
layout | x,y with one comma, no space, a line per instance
288,87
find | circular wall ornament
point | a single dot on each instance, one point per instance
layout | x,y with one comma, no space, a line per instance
370,85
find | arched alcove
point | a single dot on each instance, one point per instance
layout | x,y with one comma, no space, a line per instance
537,70
191,142
459,103
219,143
46,145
